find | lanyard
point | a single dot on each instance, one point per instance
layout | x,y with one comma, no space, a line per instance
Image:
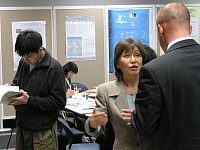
70,86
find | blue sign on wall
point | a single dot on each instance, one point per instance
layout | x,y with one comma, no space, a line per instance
125,23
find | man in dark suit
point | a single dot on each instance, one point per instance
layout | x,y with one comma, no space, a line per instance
168,101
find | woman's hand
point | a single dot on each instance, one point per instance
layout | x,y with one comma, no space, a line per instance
97,118
69,93
126,114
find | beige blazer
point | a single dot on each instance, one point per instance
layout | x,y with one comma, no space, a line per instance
111,98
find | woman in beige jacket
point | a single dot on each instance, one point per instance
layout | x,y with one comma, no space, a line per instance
115,99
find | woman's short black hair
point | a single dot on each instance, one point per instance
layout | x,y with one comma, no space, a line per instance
28,41
149,54
70,66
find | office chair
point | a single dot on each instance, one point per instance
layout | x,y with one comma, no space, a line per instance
70,134
62,136
81,87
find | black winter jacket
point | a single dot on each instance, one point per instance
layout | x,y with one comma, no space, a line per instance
45,85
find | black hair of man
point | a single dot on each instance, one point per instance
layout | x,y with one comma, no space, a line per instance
70,66
28,41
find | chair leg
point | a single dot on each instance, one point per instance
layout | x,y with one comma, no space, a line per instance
9,138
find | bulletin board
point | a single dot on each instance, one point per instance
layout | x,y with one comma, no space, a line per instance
91,72
136,22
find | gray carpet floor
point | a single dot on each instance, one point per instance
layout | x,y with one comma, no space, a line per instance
4,139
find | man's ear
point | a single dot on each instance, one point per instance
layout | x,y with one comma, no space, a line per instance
190,29
160,29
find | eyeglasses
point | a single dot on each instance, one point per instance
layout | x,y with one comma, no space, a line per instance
30,55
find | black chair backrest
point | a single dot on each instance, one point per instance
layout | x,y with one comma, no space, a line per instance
81,87
71,135
68,130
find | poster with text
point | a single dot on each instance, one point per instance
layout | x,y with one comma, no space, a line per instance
80,38
18,27
135,23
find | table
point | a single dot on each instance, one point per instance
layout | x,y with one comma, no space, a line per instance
80,105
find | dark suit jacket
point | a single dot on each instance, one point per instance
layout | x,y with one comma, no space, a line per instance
168,99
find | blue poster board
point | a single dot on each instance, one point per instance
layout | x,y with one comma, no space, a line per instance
124,23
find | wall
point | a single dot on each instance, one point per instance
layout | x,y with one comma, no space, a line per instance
20,3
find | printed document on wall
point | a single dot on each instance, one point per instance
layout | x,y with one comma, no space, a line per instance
18,27
80,38
135,23
195,23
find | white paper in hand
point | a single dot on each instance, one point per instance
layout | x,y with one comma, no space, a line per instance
7,92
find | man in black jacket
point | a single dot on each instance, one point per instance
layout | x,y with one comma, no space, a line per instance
42,82
168,98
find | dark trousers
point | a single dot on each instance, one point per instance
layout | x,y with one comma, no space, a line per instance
37,140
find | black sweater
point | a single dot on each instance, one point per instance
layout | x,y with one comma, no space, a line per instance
45,85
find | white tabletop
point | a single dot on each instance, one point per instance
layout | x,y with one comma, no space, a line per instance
80,105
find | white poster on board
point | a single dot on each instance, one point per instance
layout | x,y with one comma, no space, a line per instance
80,38
17,27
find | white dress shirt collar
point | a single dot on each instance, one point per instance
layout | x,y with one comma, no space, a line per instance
177,40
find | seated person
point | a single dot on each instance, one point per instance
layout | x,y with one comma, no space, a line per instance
69,69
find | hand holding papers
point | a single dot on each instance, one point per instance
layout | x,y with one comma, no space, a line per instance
7,92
